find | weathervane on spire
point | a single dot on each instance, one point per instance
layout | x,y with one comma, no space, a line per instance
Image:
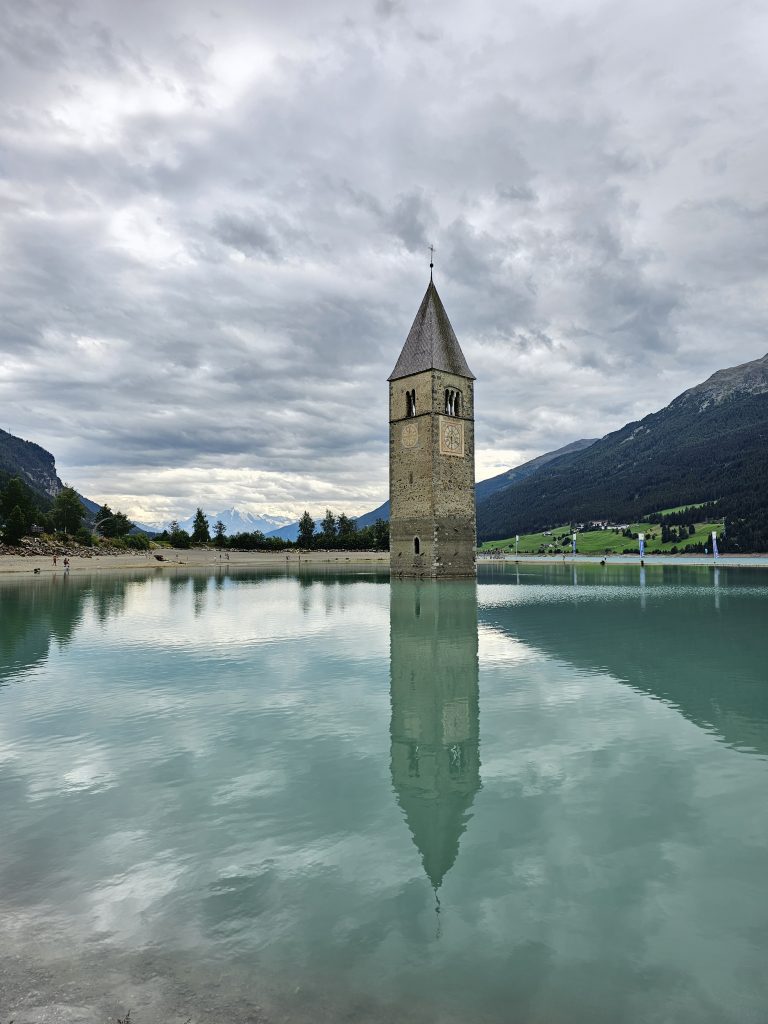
431,260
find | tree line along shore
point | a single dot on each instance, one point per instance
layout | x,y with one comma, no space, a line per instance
25,520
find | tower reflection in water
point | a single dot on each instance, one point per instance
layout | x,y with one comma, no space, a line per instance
435,714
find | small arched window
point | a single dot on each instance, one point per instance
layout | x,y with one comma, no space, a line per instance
416,546
413,760
452,402
457,759
410,403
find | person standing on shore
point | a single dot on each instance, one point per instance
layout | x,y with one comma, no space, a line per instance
55,557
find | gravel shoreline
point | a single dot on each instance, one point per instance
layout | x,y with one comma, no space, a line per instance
192,559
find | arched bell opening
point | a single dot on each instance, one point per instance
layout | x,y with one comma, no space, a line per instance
452,402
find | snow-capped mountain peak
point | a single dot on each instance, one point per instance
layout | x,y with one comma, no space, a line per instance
236,520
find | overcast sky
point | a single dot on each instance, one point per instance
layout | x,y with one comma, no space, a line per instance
214,221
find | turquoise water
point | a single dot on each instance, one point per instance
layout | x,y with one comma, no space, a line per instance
319,797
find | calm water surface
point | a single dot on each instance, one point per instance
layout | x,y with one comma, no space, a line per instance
252,797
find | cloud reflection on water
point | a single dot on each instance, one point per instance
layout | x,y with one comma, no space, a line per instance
251,761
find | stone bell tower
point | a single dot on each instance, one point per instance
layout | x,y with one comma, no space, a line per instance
435,726
432,451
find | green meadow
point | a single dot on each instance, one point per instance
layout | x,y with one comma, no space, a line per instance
600,542
681,508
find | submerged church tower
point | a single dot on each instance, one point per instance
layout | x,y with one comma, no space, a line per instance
432,450
435,726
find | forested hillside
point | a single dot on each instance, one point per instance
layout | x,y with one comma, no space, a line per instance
485,488
709,444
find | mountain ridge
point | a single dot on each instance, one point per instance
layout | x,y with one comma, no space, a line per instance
745,378
484,488
709,444
35,466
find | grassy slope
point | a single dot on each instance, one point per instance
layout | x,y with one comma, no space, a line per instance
681,508
595,542
719,453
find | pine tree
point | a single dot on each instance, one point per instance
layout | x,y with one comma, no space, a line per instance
200,531
346,532
67,512
179,538
218,534
306,531
381,534
103,521
121,524
15,526
17,495
328,534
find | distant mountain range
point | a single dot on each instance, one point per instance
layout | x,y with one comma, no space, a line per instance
709,444
236,520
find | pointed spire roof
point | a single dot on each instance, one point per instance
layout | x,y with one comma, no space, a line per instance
431,343
437,822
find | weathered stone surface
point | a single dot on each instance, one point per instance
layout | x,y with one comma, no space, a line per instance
432,473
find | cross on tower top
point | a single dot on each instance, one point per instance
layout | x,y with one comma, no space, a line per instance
431,260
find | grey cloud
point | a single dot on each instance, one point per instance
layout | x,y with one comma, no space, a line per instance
26,41
388,8
733,237
528,340
411,219
250,235
515,193
216,225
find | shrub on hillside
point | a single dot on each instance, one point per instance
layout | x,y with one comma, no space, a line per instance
137,542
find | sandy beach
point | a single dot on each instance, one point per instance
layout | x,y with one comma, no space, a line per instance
198,558
195,558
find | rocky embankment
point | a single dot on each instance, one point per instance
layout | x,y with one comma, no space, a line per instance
33,548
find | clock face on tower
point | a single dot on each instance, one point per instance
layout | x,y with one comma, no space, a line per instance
451,437
410,435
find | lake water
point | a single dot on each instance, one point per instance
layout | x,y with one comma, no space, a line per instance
322,797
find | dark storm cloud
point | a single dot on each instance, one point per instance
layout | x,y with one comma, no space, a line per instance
412,220
214,229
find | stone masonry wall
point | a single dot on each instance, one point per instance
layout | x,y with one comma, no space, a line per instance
432,494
